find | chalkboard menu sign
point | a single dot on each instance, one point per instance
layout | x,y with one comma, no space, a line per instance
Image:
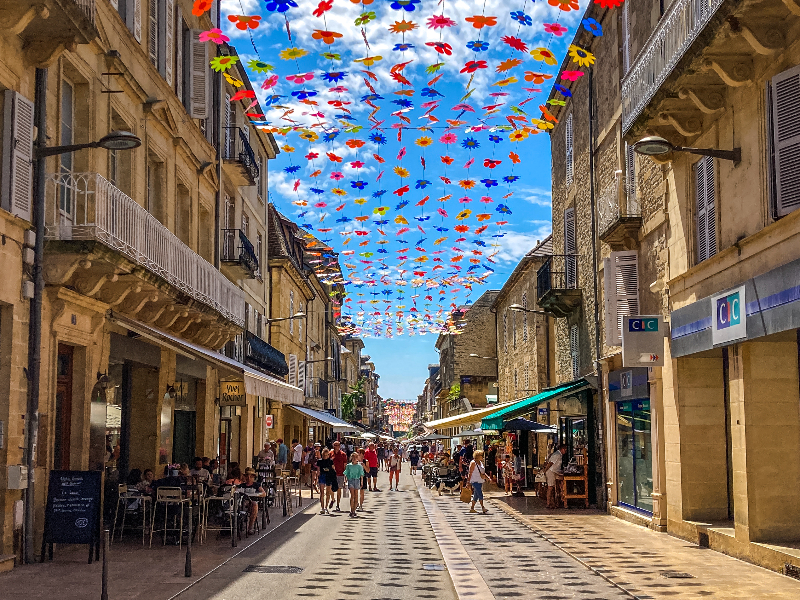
73,507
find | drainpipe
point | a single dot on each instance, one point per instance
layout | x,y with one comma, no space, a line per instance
35,319
217,121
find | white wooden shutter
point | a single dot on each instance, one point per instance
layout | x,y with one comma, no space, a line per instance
626,40
152,33
169,39
570,249
227,153
137,19
179,53
569,152
706,208
786,136
574,351
301,375
115,4
292,369
630,174
17,162
620,292
198,80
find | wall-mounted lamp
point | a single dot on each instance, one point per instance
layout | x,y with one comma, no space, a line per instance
529,310
299,315
656,146
171,392
116,140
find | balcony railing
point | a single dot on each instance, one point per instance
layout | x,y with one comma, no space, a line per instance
673,36
619,216
86,6
85,206
237,151
264,356
238,250
557,286
317,388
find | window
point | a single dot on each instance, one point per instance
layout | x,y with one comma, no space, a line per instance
574,351
570,249
230,212
66,200
620,292
705,193
246,225
505,331
300,324
131,13
630,175
516,382
525,317
514,329
259,248
785,126
152,35
626,40
183,214
155,187
569,150
291,311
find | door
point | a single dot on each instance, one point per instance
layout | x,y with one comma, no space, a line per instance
224,445
184,436
66,200
63,420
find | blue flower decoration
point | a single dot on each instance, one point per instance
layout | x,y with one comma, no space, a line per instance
334,76
401,206
560,88
442,229
378,194
292,169
345,117
510,178
381,222
521,17
307,226
430,93
470,143
479,243
378,139
402,47
422,184
317,191
344,220
502,208
358,185
273,99
489,183
422,219
280,6
592,26
478,46
406,5
404,102
329,137
495,138
303,94
371,98
382,251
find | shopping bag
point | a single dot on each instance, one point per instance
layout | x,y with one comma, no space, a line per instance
466,494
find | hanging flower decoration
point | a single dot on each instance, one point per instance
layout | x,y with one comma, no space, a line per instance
303,94
327,37
337,176
334,76
259,66
495,139
280,6
368,61
490,183
441,47
406,5
555,28
563,90
423,142
339,192
201,6
609,4
479,21
364,2
565,5
466,184
478,46
592,26
234,82
402,26
354,143
377,138
515,43
571,75
506,81
242,94
584,58
400,172
223,63
244,22
474,65
324,6
536,78
470,143
545,55
554,102
440,22
402,47
292,53
300,78
448,160
464,214
365,18
508,64
521,18
518,135
309,136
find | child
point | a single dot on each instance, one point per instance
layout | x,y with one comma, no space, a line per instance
353,473
508,474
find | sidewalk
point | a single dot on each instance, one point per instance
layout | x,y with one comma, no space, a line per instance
135,571
643,562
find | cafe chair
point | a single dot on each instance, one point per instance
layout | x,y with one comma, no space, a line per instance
293,483
131,503
170,497
224,503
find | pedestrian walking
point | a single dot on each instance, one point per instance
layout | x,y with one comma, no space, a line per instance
297,457
508,474
353,472
327,481
371,455
395,464
365,479
381,456
476,478
339,458
283,455
552,471
413,458
313,458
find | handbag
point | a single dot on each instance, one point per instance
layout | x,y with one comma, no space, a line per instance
466,494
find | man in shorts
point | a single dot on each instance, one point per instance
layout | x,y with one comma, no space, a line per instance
297,456
371,456
339,458
395,464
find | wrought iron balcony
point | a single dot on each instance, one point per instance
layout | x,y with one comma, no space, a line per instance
675,33
238,254
619,216
263,356
317,388
557,284
85,207
239,159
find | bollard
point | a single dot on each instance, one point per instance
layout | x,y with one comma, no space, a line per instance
187,570
104,586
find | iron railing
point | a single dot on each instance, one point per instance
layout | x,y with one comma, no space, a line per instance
317,388
237,248
87,7
559,272
611,208
85,206
237,147
676,31
264,356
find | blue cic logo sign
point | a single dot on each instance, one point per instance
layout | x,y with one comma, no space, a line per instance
642,324
729,321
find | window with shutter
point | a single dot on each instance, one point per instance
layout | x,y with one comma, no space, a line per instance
630,175
525,318
167,51
136,20
514,328
570,249
291,311
227,151
301,375
17,155
569,150
626,40
179,41
705,194
152,34
198,78
786,139
620,291
574,351
505,332
292,369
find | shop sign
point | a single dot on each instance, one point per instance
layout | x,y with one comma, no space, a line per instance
728,322
232,393
269,423
628,384
643,341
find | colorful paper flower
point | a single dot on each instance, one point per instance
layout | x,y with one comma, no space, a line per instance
440,22
422,184
565,5
402,26
555,28
522,18
400,172
406,5
356,164
609,4
515,43
447,159
213,35
377,138
441,47
466,184
303,94
479,21
508,64
334,76
474,65
402,47
470,143
464,214
429,93
545,55
337,175
536,77
201,6
423,142
300,78
280,6
510,178
571,75
292,53
592,26
358,185
323,7
223,63
327,37
489,183
259,66
309,136
339,192
518,135
583,57
365,18
369,60
478,46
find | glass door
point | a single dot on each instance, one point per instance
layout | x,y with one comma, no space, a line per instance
634,455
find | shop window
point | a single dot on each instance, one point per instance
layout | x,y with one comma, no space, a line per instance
705,197
634,455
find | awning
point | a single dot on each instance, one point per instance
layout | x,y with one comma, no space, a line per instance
509,411
332,421
256,383
520,424
469,418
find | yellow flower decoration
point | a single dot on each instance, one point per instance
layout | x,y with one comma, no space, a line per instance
518,135
400,172
360,201
287,148
233,81
292,53
542,124
506,81
400,220
545,55
339,192
402,26
424,141
308,135
581,56
464,214
368,61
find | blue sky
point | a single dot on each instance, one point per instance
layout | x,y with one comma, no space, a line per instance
403,259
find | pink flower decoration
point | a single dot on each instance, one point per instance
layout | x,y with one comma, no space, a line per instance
339,89
486,199
440,22
320,205
337,175
555,29
270,82
213,35
356,164
300,78
571,75
465,200
448,138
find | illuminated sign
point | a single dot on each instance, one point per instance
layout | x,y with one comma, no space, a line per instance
729,321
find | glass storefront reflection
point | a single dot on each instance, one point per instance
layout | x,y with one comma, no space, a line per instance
634,455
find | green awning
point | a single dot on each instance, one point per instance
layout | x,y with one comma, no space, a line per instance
496,420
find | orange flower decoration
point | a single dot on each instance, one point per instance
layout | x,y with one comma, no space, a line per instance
328,37
479,21
201,6
484,217
467,184
244,22
565,5
354,143
514,158
447,160
508,64
364,2
534,77
461,229
402,26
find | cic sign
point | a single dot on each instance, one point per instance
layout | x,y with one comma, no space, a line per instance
729,321
232,393
643,341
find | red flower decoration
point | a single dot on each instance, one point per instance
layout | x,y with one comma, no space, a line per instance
401,191
571,75
514,158
609,4
488,162
311,156
515,43
244,22
323,8
555,28
441,47
333,157
461,228
474,65
447,160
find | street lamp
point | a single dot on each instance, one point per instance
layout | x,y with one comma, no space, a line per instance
116,140
657,146
486,357
529,310
299,315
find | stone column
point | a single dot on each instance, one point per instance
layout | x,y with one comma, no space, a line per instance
206,417
659,522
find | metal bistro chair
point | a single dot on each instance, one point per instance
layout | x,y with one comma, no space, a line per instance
293,483
131,503
226,499
170,496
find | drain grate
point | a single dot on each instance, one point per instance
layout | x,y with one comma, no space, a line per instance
791,570
510,539
676,575
432,567
272,569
